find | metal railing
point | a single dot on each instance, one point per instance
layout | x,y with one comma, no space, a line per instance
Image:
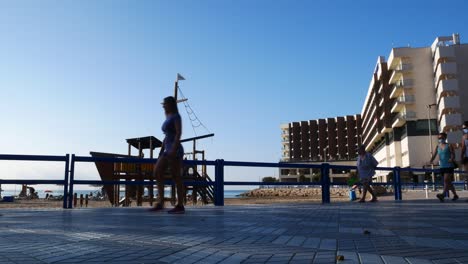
219,182
69,180
63,182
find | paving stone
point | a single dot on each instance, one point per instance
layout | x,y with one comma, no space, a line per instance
370,259
349,257
394,260
296,241
404,232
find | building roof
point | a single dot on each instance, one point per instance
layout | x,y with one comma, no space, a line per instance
145,142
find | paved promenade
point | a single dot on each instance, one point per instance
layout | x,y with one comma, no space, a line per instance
405,232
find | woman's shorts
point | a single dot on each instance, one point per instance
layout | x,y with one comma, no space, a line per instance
366,181
446,170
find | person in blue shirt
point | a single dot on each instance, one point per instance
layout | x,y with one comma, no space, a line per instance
366,164
170,156
446,154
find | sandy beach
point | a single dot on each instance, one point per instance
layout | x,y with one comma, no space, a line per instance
280,195
407,195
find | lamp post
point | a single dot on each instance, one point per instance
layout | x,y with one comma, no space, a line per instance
430,141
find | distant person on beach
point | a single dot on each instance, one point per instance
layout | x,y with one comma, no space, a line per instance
366,165
446,154
170,156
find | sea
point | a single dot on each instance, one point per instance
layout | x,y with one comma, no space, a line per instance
42,192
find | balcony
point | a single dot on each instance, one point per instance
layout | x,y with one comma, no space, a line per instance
399,87
447,86
380,88
401,102
448,121
449,103
399,70
448,68
401,118
381,101
442,53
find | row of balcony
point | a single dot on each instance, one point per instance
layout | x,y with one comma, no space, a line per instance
400,87
448,103
399,70
445,69
401,102
326,142
442,53
346,146
446,86
352,130
450,121
401,118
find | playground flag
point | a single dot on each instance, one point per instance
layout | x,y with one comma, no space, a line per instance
180,77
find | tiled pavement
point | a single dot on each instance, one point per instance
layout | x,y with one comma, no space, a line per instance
400,232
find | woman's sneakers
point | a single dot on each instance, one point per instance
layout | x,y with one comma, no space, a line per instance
441,197
157,208
179,209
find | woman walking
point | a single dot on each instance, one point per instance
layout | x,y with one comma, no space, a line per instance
366,165
170,157
446,154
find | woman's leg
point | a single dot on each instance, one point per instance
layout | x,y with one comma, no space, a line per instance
364,191
369,188
176,165
450,185
158,173
447,183
465,169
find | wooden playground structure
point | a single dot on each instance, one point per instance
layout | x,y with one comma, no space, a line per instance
116,171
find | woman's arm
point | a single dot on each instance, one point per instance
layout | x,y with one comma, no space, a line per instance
452,153
178,134
162,148
434,154
463,150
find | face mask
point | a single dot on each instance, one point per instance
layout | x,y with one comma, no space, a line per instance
441,140
465,131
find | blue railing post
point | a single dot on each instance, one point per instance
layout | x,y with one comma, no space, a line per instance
72,178
325,182
219,182
65,184
397,183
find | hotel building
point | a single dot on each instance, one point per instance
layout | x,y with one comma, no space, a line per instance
412,95
316,141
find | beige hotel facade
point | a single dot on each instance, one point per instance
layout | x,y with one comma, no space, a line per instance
412,95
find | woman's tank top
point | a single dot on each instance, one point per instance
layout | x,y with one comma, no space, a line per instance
444,156
169,129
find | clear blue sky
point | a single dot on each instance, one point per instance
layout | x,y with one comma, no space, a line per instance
77,76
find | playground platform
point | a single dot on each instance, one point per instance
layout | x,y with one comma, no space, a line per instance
416,232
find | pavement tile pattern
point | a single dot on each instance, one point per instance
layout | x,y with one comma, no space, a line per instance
400,232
